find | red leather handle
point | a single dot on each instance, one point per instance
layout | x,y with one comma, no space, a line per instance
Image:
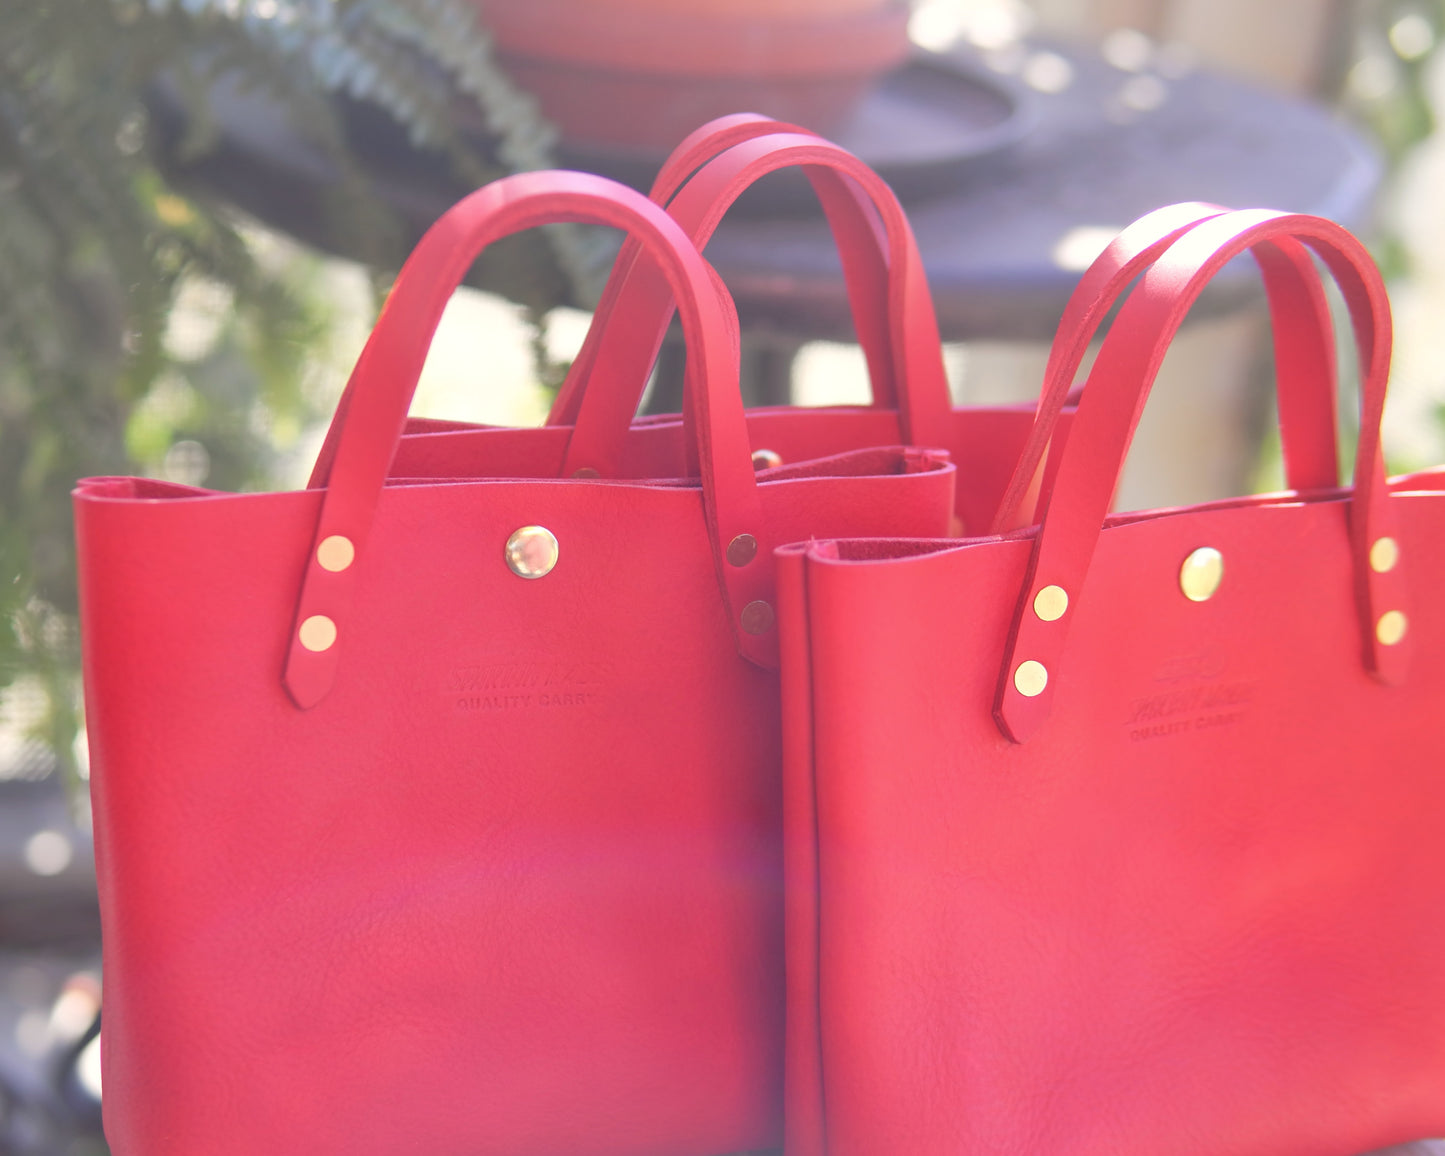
634,333
699,147
1303,350
385,378
1112,404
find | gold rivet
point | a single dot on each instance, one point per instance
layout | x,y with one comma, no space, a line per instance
1384,554
532,552
318,633
767,459
1051,602
1201,574
742,550
335,553
585,472
757,618
1391,627
1030,678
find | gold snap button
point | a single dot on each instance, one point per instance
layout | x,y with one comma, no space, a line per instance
1050,603
1391,627
1030,678
757,618
318,633
1384,554
585,472
742,550
335,553
532,552
1201,574
767,459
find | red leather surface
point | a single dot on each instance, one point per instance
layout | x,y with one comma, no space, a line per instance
1198,911
509,885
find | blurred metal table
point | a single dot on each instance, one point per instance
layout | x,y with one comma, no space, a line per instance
1013,169
1005,237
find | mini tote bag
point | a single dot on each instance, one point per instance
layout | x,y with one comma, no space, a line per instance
443,816
1120,834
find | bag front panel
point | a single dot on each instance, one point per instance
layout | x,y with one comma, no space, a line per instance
1198,912
522,861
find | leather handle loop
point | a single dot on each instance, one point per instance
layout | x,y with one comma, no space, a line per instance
1112,404
1303,351
696,149
899,309
699,147
385,377
703,144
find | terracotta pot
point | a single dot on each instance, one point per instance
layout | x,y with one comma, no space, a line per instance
751,9
641,74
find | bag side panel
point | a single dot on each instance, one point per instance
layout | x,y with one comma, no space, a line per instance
803,1112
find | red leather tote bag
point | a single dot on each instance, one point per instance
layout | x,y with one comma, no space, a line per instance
443,817
1121,834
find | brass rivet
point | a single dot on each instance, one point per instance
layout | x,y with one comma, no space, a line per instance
757,618
767,459
742,550
1030,678
1384,554
585,472
532,552
1051,602
335,553
1201,574
318,633
1391,627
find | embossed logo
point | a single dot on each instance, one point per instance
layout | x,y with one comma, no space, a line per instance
526,685
1191,694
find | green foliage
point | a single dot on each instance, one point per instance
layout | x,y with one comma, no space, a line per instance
97,248
1385,87
1395,41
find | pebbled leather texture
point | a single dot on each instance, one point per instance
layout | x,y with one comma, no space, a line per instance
1198,910
501,876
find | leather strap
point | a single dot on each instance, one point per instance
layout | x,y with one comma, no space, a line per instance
368,426
1303,353
635,330
1110,408
863,268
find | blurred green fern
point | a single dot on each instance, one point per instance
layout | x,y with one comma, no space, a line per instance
97,245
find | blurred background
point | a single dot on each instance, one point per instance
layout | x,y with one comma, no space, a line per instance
202,203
